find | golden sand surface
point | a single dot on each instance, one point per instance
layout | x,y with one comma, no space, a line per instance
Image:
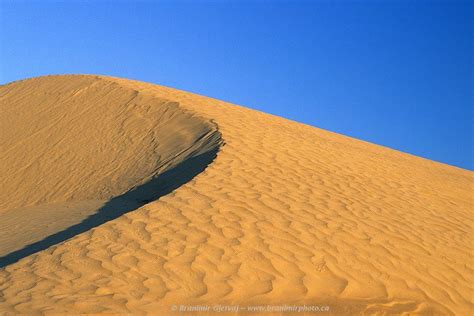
119,196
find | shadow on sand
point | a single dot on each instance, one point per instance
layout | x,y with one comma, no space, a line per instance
127,202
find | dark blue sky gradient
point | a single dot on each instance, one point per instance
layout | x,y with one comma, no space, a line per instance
396,73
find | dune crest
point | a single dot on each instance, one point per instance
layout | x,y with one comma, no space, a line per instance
90,151
285,214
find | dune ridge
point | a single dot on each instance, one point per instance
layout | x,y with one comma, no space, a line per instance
285,214
89,147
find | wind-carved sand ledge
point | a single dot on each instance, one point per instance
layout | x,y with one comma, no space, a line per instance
284,213
53,188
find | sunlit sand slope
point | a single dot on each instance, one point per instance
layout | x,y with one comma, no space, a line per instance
285,214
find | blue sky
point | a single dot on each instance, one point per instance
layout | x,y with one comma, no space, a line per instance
395,73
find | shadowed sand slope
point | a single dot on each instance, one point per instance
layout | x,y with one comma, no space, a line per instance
285,213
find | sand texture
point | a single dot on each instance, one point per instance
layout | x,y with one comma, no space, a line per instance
125,197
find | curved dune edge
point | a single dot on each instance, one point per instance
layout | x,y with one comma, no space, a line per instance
285,214
80,152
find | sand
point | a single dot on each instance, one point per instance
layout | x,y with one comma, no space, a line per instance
125,197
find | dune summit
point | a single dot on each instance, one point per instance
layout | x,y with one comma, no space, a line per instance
76,150
125,197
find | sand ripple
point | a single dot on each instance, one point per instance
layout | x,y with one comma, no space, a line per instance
286,213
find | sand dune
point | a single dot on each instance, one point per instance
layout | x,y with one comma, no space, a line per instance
127,197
